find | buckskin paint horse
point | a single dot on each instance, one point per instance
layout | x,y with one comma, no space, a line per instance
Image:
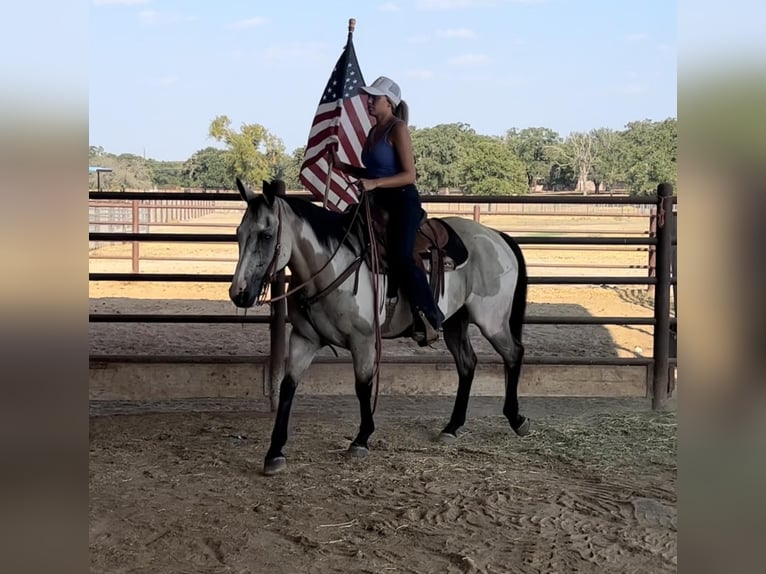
328,305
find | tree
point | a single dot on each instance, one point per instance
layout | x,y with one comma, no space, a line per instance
166,173
532,146
276,159
490,167
209,168
252,150
438,151
651,155
608,164
578,152
129,171
292,169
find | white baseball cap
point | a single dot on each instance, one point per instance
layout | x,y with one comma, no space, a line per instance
384,87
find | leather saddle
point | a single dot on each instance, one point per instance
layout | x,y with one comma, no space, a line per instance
437,249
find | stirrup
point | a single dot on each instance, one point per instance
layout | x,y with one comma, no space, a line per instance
429,335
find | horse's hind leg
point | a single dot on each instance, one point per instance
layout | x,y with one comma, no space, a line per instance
459,344
519,423
302,352
512,351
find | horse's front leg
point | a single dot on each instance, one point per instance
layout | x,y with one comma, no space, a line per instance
301,353
363,355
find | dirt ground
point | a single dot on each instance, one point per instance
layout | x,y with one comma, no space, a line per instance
177,488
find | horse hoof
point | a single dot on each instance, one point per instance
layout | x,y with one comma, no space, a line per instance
274,466
523,429
358,451
446,438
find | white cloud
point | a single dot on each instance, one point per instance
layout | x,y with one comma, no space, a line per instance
470,60
389,7
456,33
248,23
120,2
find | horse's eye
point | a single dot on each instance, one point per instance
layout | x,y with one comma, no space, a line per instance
266,235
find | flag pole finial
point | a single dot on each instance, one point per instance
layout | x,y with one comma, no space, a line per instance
351,25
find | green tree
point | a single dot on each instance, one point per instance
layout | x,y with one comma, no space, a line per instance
438,151
166,173
253,150
651,155
608,163
292,169
129,172
490,167
532,146
209,168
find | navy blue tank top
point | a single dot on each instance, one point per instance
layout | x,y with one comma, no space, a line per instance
381,160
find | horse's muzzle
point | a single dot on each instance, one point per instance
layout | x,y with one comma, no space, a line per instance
242,298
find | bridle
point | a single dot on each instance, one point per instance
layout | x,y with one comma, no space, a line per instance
272,270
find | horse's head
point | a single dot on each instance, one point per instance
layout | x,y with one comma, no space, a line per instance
258,236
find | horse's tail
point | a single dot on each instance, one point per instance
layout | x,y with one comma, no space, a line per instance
519,305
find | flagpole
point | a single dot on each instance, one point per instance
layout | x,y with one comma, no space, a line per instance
351,26
327,183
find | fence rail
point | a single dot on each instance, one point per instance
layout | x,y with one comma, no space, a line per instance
659,242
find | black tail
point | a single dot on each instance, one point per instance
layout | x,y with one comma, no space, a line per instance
519,305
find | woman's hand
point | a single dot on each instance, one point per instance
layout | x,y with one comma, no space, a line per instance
335,160
368,184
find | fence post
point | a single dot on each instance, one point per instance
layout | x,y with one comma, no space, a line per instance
135,220
277,325
652,263
477,213
673,221
662,296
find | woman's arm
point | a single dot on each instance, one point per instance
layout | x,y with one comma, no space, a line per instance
402,142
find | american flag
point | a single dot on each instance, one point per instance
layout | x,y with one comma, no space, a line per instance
341,120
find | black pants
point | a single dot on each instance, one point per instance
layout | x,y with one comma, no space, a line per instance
404,216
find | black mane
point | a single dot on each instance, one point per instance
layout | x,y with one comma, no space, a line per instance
330,227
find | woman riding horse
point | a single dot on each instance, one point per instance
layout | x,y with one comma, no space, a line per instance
389,173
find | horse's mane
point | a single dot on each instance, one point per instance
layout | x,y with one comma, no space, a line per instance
330,227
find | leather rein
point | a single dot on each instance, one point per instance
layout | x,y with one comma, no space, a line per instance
272,270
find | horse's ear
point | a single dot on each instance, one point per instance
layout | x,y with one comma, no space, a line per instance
269,192
245,191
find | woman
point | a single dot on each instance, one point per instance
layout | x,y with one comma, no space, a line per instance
389,172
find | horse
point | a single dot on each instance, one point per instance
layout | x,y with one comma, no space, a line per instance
329,305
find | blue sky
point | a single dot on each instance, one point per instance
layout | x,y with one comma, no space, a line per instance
161,70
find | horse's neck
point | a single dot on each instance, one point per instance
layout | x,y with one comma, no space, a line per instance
309,257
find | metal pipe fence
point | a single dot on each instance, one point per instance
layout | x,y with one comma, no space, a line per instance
659,241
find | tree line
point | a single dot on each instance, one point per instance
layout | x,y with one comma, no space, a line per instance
447,157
